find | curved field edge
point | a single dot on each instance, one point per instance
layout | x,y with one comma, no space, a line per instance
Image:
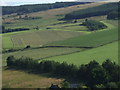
94,39
100,54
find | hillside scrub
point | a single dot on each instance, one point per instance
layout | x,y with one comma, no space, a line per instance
94,25
91,74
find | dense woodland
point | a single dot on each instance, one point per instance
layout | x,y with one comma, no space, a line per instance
113,15
37,7
91,74
94,25
94,11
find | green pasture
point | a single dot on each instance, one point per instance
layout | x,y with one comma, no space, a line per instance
40,53
94,39
100,54
36,38
7,42
20,23
68,27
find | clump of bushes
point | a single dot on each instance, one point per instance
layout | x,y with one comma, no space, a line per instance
94,25
92,74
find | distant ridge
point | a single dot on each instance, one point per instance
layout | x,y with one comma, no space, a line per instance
37,7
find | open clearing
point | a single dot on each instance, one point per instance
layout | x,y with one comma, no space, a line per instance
21,79
100,54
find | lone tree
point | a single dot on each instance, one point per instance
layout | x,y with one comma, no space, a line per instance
28,46
37,28
75,21
86,20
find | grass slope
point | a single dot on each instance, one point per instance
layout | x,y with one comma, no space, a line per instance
99,54
36,38
92,40
40,53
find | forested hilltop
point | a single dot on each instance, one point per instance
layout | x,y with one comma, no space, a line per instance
37,7
93,11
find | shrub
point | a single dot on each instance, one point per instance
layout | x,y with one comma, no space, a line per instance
28,46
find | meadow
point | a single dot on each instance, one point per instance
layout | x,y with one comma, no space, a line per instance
22,39
100,54
39,53
94,39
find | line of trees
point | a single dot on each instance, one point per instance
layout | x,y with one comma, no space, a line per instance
26,17
94,11
93,25
37,7
90,74
13,30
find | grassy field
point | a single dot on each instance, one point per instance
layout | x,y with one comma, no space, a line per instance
68,27
7,42
99,54
36,38
40,53
92,40
21,79
57,33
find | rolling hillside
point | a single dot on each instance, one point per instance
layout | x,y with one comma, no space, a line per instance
99,54
93,11
91,40
51,38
